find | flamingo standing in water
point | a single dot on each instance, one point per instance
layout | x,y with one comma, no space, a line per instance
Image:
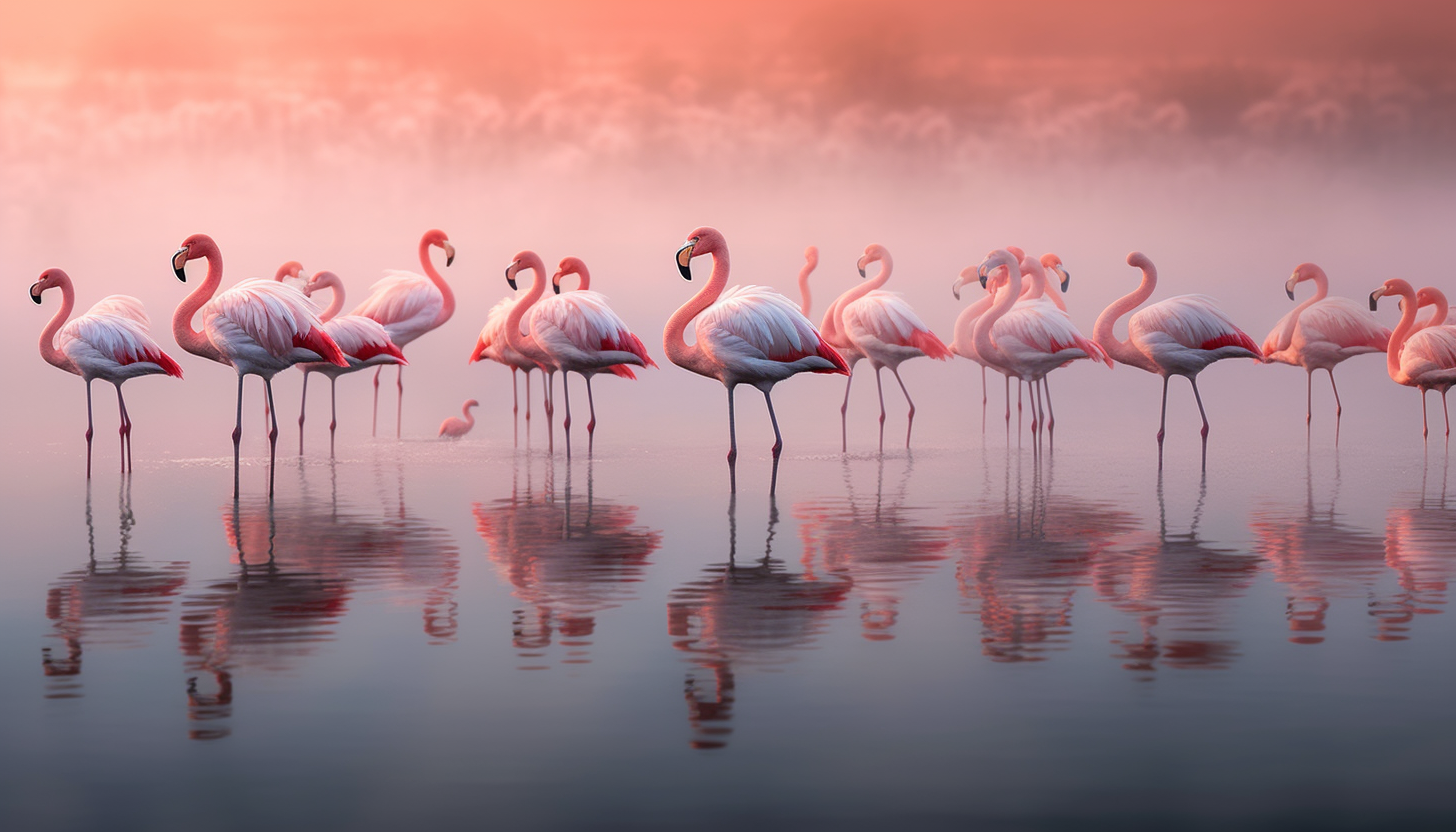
750,335
409,305
455,427
1176,337
1320,333
963,333
524,344
583,335
363,341
259,327
112,342
1032,339
1423,360
492,345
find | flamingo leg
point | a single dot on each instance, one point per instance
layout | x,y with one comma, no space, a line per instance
515,395
528,398
984,399
399,407
1309,397
1204,432
844,413
548,396
1034,398
333,411
1163,420
1338,407
238,434
591,426
911,422
302,409
778,439
374,427
1444,410
1051,418
126,464
732,432
566,401
879,388
90,430
272,441
1425,430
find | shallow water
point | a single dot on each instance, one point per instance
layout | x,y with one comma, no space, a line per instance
421,632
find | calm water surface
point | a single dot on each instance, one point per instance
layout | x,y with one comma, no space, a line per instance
478,635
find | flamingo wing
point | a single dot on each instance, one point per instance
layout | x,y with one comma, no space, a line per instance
587,323
1041,327
402,301
886,317
93,339
1192,321
362,338
275,316
122,306
758,322
492,340
1280,336
1344,323
1429,356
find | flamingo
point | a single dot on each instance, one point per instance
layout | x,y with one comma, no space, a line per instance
1320,333
521,343
1423,360
112,342
259,327
409,305
456,427
492,345
1035,338
583,335
751,335
963,332
1179,336
363,341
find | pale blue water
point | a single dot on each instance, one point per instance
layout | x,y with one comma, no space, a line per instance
472,635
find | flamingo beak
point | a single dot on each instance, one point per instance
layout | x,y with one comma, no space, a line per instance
179,260
684,257
1066,278
1375,295
449,253
982,273
35,291
1289,285
511,274
955,288
556,283
862,262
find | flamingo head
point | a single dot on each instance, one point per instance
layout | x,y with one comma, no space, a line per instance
872,253
1017,252
570,265
1394,286
1054,263
967,275
1430,296
291,269
704,240
48,279
1000,258
523,260
198,245
811,256
471,403
1302,272
321,280
436,237
1138,260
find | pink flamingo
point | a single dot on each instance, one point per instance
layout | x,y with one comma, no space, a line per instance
1423,360
112,342
259,327
751,335
409,305
363,341
1322,332
963,332
811,262
1178,336
583,335
492,345
456,427
522,343
1034,338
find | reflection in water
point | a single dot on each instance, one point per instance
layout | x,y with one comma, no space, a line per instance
299,564
116,602
1317,557
874,543
1179,588
567,558
744,616
1420,545
1025,554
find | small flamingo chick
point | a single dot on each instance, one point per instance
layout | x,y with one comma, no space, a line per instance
456,428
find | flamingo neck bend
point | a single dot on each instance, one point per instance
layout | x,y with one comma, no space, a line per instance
188,338
448,308
336,304
1442,307
514,339
965,324
811,262
1005,299
1124,351
674,343
831,330
48,350
1403,330
1321,291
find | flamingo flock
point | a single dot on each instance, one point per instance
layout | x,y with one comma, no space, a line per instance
744,334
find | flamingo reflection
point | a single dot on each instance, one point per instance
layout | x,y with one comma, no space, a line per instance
1025,555
1420,547
566,558
1179,588
116,602
735,616
1318,557
874,543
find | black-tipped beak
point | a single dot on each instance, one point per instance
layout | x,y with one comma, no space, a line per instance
35,293
982,274
860,264
449,254
684,258
955,288
511,274
1290,292
179,262
556,283
1289,286
1373,296
1066,279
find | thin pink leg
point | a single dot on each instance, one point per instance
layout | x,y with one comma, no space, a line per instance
910,423
90,429
121,431
333,412
374,426
302,409
881,390
732,431
844,413
399,408
778,439
566,401
984,399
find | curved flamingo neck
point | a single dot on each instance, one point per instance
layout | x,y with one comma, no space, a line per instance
811,261
1402,331
514,339
1321,290
1005,299
673,341
469,417
448,308
48,350
1442,308
1124,351
831,330
336,304
188,338
583,278
965,324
